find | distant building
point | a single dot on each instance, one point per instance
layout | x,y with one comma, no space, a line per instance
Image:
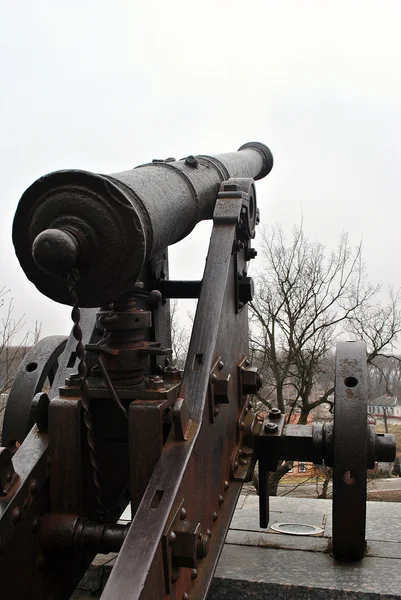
385,407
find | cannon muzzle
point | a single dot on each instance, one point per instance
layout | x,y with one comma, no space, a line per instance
108,226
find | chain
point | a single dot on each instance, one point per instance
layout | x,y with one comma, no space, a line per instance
72,279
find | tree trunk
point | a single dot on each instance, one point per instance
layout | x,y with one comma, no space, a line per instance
275,477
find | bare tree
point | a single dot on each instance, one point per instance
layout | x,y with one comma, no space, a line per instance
14,344
306,298
179,337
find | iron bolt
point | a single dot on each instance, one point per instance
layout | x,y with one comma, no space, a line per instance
251,381
216,411
185,596
247,362
155,297
155,383
246,289
214,377
215,516
220,365
183,514
16,515
222,389
194,574
172,538
271,428
275,413
191,161
235,466
221,500
243,461
250,253
226,485
203,545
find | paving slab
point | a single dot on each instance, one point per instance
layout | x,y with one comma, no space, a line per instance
257,563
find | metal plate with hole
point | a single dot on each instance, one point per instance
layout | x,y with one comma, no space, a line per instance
350,451
38,367
296,528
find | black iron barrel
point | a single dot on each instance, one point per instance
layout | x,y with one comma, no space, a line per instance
107,226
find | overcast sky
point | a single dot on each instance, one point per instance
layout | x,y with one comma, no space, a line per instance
106,85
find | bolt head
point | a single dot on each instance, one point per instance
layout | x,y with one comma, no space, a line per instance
275,413
270,428
172,538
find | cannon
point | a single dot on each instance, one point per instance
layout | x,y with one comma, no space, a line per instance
103,418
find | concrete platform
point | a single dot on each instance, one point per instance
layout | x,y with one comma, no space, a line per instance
256,563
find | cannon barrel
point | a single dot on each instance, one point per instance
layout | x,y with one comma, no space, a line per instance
108,226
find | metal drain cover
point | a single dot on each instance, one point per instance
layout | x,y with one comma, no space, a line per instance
296,528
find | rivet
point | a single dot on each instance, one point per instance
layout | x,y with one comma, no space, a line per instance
235,466
221,499
226,485
243,461
242,425
9,477
194,574
185,596
208,533
16,515
214,377
247,362
220,365
33,486
216,411
26,504
172,537
215,516
174,577
183,514
35,524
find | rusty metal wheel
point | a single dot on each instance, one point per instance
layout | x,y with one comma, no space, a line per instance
350,440
36,372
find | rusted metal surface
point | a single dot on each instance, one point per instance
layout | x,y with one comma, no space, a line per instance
39,366
116,365
120,219
198,484
350,451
